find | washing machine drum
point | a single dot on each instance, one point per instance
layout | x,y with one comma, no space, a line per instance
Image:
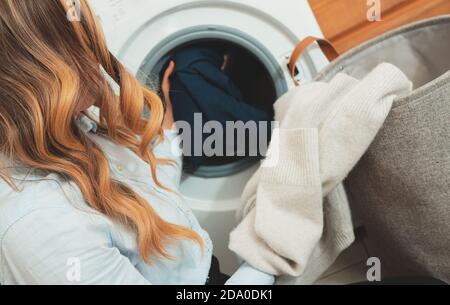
216,83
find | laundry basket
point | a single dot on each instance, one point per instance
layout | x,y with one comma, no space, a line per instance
401,188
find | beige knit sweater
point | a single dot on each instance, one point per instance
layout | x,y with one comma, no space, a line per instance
295,216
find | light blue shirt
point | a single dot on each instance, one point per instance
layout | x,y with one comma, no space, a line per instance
49,235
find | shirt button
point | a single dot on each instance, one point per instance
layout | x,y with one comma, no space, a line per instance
120,168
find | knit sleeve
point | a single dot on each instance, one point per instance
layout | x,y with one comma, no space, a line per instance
279,236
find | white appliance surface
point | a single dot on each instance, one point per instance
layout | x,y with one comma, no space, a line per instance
135,27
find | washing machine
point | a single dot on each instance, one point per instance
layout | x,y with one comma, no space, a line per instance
262,34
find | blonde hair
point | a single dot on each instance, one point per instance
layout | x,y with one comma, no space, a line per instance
50,70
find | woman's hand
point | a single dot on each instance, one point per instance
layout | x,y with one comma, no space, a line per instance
168,122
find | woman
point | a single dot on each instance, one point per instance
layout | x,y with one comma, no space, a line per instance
88,198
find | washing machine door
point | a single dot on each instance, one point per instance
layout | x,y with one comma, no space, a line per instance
136,28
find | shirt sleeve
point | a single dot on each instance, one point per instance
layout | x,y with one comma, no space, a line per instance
59,246
169,149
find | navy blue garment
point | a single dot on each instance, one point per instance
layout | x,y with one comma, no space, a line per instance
198,85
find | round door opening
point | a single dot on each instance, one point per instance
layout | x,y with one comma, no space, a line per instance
250,68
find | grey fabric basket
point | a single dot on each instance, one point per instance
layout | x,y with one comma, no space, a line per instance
401,188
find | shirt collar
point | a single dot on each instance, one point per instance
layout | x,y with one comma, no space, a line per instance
86,124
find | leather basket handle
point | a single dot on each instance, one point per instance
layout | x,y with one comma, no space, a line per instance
326,47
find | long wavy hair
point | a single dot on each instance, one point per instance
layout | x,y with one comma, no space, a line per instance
50,71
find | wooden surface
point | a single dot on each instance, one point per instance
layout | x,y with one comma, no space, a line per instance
345,22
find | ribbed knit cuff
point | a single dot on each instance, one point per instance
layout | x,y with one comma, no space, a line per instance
374,95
